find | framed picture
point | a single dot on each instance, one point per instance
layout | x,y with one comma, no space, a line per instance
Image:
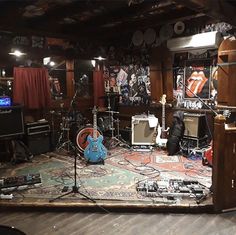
197,80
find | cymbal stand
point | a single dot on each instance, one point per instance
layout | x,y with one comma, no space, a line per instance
64,141
115,140
119,137
65,127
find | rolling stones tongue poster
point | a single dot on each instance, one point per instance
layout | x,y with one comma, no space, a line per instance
197,82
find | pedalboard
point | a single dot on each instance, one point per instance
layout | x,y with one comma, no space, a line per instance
18,182
171,188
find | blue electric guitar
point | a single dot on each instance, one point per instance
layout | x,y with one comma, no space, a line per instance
95,151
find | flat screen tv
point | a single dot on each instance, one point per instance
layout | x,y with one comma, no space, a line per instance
5,101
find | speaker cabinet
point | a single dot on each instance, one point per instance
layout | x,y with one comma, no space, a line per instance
195,125
142,133
11,121
38,137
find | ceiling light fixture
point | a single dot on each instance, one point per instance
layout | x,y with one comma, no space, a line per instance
93,62
17,53
52,63
99,58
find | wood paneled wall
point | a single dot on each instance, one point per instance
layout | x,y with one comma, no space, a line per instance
227,73
161,74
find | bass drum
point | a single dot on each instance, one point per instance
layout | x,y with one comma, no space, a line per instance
81,137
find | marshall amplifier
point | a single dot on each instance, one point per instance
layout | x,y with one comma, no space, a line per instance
38,137
11,121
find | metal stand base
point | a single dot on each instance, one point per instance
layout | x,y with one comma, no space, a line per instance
75,188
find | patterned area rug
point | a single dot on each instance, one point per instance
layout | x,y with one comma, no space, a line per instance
115,180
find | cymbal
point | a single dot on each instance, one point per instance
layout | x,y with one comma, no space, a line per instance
110,111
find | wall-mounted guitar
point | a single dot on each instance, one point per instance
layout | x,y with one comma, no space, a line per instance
95,151
162,132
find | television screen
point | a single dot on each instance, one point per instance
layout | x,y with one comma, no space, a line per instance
5,101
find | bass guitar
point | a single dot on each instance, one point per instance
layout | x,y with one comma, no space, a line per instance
162,132
95,151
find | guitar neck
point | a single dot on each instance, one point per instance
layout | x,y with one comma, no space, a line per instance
95,125
163,117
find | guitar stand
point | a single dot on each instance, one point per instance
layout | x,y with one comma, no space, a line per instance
75,187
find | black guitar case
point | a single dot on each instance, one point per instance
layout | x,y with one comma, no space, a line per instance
176,133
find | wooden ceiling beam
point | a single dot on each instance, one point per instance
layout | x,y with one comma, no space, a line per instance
217,9
125,29
125,20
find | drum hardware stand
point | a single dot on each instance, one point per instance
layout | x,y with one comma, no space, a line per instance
115,140
75,187
66,127
67,143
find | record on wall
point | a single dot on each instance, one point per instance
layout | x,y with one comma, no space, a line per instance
149,36
166,32
137,38
179,27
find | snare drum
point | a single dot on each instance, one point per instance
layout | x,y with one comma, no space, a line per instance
81,136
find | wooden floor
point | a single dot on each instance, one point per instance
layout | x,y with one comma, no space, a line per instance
93,223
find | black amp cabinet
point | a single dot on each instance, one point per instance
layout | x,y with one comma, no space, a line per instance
11,121
38,137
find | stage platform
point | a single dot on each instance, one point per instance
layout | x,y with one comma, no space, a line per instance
112,185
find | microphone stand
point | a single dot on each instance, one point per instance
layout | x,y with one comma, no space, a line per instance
75,187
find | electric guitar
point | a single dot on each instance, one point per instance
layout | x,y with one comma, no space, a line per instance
95,150
162,132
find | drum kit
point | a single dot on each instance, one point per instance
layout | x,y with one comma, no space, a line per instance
73,132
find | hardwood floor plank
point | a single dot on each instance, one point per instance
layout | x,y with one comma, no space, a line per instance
87,223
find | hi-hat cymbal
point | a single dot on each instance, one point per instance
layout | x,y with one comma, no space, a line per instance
110,111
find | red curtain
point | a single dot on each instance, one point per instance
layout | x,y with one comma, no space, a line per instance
98,88
31,87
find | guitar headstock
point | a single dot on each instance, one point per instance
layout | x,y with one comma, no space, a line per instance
163,99
94,110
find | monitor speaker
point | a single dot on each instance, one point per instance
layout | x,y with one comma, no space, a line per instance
195,125
142,134
11,121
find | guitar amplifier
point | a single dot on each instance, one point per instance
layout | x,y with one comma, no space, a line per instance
38,137
144,129
195,125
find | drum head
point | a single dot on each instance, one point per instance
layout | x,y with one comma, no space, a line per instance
81,137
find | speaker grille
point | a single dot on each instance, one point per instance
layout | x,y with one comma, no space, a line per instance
195,125
142,134
11,121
